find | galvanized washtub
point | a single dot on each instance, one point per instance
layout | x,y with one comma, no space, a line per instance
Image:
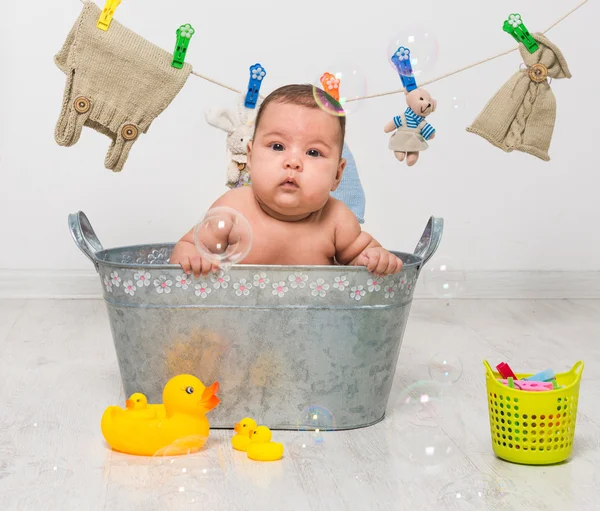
278,339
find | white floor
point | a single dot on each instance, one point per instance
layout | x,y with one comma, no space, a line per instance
59,371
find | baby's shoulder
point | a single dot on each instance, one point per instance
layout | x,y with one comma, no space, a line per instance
236,197
337,211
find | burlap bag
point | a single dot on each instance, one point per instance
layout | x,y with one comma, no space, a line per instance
117,84
521,116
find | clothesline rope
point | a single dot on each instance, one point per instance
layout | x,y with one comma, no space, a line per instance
397,91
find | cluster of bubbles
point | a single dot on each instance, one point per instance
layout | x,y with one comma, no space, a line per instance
346,82
425,426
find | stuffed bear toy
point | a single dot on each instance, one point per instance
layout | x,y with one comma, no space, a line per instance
412,130
238,123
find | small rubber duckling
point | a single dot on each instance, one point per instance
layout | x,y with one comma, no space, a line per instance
137,407
261,448
244,430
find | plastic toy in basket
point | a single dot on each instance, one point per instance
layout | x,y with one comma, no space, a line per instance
533,428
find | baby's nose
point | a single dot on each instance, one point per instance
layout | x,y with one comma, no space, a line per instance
293,163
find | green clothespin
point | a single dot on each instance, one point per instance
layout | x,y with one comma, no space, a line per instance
184,34
515,27
555,385
511,383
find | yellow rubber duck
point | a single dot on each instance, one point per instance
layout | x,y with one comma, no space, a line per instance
261,448
180,424
244,430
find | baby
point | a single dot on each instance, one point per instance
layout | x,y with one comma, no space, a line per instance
295,161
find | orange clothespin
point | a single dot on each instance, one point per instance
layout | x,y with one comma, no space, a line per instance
107,14
331,85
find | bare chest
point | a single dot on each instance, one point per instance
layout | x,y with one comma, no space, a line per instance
292,245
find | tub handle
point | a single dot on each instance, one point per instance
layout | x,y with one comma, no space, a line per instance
430,240
84,236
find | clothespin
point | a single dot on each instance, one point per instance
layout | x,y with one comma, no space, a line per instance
511,382
545,375
184,34
515,27
401,60
505,370
107,14
257,74
331,85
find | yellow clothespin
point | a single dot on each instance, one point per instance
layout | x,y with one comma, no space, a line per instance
107,14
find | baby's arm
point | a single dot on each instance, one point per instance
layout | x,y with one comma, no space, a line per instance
356,247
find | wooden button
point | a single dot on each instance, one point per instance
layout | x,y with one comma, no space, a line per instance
82,104
241,166
538,73
129,132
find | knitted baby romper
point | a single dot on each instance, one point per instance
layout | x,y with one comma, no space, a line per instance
117,84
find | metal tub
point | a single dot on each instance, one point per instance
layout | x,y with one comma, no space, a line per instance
277,338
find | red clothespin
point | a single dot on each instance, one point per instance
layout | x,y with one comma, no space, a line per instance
505,371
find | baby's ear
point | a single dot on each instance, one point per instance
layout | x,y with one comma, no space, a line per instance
222,118
339,174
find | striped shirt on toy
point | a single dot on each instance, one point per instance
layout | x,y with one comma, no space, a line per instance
413,120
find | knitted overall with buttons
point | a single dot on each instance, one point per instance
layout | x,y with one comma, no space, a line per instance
117,84
521,116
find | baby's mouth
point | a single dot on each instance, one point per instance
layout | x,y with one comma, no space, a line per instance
290,183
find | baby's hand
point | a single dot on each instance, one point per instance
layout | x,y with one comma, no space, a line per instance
379,261
187,256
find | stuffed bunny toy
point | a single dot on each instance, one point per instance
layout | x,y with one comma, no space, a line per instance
239,126
412,130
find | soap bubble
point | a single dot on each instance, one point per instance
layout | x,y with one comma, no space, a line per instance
181,464
311,423
476,491
457,103
188,497
423,46
223,237
425,425
444,279
316,419
346,83
445,369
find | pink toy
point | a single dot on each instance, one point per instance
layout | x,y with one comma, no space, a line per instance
531,386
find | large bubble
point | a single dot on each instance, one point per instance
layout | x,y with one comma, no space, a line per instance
423,46
223,237
346,83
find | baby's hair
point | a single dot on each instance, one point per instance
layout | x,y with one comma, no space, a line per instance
302,95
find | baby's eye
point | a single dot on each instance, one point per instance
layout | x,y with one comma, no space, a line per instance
277,147
314,153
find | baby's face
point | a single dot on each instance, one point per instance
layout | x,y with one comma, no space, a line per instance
294,159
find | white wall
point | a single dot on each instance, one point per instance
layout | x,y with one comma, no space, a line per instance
502,211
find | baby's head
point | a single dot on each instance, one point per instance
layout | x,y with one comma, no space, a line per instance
295,158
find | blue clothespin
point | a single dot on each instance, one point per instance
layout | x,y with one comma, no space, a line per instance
401,60
257,74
